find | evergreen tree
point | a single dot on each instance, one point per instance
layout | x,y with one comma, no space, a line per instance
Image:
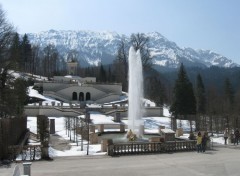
155,90
20,94
228,103
228,93
184,102
15,52
26,48
200,96
109,75
102,74
200,103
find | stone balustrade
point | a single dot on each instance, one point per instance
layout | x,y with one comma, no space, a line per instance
150,147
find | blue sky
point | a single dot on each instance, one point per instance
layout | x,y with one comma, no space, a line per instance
199,24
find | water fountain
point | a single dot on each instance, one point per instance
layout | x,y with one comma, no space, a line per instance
135,93
135,104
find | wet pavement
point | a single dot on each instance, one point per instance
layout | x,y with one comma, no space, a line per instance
221,160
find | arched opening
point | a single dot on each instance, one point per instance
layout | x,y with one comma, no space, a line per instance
88,96
74,96
81,96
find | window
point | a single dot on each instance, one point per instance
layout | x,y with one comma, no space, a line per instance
74,96
81,96
88,96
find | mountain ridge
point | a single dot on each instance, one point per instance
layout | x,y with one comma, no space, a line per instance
101,47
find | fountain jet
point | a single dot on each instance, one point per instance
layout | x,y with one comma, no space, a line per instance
135,92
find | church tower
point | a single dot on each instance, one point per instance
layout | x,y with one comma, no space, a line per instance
72,65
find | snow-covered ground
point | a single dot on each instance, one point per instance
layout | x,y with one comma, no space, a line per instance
151,126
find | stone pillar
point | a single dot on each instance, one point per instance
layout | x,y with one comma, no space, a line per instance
101,128
122,128
92,128
159,129
27,168
161,110
87,117
179,132
117,117
105,143
82,105
93,138
141,129
174,123
52,126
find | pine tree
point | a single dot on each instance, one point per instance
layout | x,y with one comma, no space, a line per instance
20,94
15,52
155,90
109,74
200,103
26,49
184,102
228,92
228,103
200,96
102,74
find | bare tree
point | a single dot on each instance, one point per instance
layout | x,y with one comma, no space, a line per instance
6,35
6,38
35,57
121,65
140,42
50,59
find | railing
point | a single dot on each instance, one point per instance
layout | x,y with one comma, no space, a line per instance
27,152
150,147
68,110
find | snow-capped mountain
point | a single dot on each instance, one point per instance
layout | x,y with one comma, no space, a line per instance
101,47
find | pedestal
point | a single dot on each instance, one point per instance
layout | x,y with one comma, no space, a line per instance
105,143
179,132
92,128
101,128
122,128
52,126
159,129
117,117
27,168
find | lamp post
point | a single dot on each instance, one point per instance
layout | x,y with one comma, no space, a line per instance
87,118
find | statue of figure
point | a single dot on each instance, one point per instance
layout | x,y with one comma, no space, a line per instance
131,136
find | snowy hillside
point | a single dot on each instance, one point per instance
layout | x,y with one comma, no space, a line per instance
101,47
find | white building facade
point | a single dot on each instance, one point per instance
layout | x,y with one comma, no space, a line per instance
74,89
